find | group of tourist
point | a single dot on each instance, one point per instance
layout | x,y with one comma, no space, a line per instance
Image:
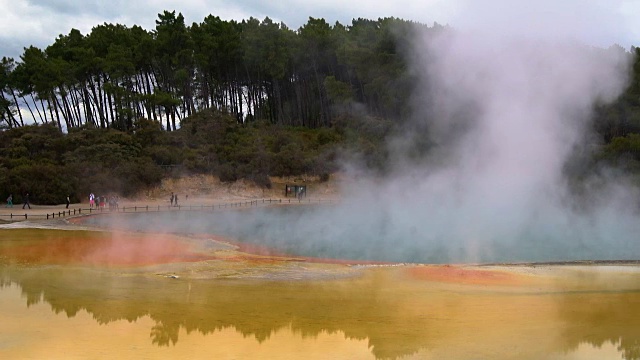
97,202
174,199
297,191
100,202
25,200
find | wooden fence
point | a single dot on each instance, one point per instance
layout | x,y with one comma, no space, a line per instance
157,208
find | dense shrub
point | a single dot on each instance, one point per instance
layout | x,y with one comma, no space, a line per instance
51,165
46,184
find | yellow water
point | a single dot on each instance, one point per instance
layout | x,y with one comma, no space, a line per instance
284,309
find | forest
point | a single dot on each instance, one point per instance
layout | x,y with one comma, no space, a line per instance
119,108
254,70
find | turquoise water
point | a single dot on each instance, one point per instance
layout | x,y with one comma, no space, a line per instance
53,309
322,232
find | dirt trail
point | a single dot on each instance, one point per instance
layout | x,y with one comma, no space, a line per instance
191,190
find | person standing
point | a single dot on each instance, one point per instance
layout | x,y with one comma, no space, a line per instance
26,201
10,201
68,201
171,199
92,199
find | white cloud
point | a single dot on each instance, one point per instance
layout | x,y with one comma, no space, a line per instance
25,23
597,22
601,22
296,12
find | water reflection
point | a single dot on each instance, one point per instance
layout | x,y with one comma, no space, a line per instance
599,319
255,309
80,337
389,311
372,234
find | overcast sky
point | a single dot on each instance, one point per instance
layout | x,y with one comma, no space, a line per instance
597,22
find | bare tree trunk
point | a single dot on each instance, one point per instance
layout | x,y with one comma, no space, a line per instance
75,95
102,101
166,112
109,102
66,111
56,109
15,100
322,114
44,111
86,101
33,116
173,117
9,118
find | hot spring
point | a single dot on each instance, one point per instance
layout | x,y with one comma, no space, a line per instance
480,172
196,285
375,235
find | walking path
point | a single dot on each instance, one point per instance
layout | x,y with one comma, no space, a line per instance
45,212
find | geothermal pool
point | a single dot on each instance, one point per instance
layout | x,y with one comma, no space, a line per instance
100,294
373,234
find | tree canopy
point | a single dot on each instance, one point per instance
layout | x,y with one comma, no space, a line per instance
121,107
254,70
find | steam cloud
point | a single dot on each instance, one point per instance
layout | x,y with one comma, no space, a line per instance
503,111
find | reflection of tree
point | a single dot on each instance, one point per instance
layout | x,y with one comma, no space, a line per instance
630,348
254,308
598,318
396,319
163,334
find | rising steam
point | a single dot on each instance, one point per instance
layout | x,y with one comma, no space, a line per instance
502,112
